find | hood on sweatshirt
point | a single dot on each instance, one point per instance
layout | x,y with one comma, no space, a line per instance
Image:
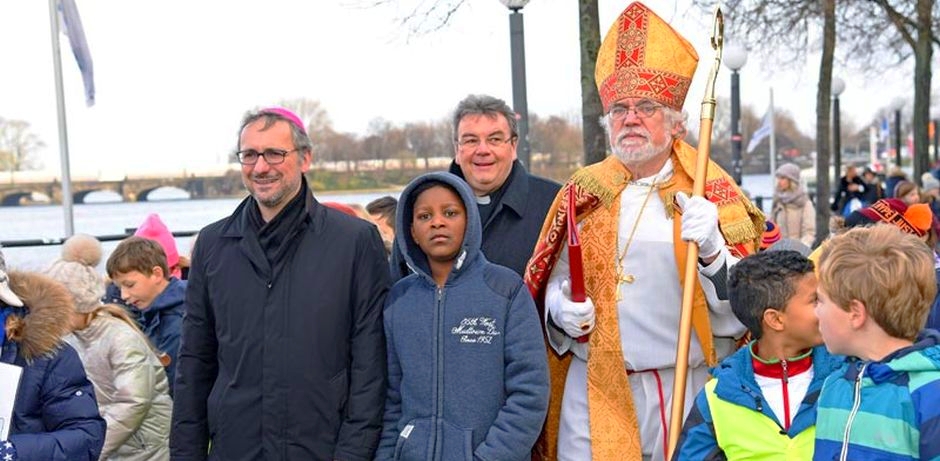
922,356
473,235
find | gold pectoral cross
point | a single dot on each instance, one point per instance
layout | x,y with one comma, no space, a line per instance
621,279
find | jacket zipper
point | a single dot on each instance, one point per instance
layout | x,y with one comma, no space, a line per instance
856,403
437,421
786,396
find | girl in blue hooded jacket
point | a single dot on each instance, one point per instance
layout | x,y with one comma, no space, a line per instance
55,414
467,371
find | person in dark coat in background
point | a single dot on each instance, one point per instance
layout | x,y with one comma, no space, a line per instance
851,187
55,414
283,350
873,189
512,203
895,175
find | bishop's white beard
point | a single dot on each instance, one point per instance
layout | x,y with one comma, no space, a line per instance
638,155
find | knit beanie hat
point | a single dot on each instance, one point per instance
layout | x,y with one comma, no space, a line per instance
915,219
76,271
929,181
82,248
902,188
771,236
154,229
791,245
790,171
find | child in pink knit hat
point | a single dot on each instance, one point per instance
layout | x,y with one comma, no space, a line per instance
153,228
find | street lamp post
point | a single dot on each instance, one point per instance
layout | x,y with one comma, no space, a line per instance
838,86
735,58
519,104
897,104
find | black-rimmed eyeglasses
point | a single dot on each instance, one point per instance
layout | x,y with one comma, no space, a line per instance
271,156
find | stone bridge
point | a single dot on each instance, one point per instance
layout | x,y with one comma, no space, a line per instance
131,189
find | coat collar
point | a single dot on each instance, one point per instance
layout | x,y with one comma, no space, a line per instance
239,226
736,383
515,197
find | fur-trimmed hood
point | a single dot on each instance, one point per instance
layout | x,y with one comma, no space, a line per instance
38,327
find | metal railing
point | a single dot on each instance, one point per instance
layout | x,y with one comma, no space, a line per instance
59,241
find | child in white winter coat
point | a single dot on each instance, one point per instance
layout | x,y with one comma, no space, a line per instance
129,380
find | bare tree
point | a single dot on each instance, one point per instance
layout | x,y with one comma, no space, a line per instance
429,16
592,133
783,32
424,141
319,125
18,146
340,147
916,28
823,106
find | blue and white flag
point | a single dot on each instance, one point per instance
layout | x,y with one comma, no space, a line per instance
885,132
765,129
72,26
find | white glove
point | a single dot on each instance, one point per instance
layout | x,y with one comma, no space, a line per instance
700,224
575,319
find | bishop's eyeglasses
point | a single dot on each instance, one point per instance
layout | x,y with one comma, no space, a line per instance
643,109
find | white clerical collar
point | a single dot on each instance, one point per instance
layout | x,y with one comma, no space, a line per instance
664,174
483,199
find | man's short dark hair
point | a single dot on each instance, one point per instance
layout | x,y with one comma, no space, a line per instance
765,280
384,207
481,104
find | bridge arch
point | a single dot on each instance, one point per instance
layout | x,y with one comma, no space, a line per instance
163,193
16,198
82,196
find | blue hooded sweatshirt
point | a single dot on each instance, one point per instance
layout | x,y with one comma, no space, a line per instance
883,410
467,370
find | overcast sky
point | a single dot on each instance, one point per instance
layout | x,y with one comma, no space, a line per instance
174,77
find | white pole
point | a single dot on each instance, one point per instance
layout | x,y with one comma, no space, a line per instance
60,110
773,136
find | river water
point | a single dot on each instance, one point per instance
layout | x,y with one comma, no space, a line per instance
47,222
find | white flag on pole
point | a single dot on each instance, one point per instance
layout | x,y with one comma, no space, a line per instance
766,128
72,26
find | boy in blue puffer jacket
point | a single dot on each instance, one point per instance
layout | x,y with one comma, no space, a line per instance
761,404
55,415
467,371
876,285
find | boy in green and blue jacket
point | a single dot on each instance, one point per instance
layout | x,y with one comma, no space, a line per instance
761,404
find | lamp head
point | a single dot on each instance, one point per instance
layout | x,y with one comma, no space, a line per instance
838,86
514,5
735,56
897,103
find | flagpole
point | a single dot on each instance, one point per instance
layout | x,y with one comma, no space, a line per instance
60,110
773,136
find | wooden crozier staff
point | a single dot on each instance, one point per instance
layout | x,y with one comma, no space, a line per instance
691,277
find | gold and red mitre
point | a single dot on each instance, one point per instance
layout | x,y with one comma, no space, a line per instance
644,57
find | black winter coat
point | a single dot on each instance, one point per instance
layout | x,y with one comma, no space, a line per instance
288,365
